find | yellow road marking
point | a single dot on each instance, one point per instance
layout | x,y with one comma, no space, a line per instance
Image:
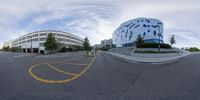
64,72
71,63
59,81
78,75
38,78
67,62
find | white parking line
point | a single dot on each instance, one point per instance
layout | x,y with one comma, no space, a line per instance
20,56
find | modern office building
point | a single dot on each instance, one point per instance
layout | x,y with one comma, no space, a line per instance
150,29
107,43
36,40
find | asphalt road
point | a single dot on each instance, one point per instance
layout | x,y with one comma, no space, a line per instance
105,77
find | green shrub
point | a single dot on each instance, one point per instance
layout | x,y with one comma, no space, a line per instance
155,45
15,49
63,49
193,49
105,48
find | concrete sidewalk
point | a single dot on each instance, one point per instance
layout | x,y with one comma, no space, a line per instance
154,59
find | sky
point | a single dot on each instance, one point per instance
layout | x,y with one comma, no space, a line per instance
97,19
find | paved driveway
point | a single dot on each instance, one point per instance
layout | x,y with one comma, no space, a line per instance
102,78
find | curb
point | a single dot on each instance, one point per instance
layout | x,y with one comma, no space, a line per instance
153,62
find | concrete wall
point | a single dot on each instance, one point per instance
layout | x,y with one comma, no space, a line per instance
156,49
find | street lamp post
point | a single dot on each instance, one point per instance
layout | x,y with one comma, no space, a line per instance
31,45
159,39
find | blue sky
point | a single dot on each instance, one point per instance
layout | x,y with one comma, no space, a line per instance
97,19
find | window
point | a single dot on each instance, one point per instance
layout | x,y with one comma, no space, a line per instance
144,34
36,39
131,35
67,40
159,35
35,35
153,26
148,30
59,39
154,32
41,44
159,23
131,26
136,26
144,25
28,41
43,39
147,20
43,34
60,35
126,33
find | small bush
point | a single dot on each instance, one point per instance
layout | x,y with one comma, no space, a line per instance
63,49
155,45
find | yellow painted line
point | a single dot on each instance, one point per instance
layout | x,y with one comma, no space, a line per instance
38,78
77,76
64,72
71,63
58,81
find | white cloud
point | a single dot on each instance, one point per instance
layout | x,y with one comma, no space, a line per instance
98,19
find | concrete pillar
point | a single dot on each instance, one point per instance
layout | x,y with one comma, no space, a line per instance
38,50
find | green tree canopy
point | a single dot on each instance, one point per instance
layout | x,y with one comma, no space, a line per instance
172,40
6,48
86,44
139,41
51,43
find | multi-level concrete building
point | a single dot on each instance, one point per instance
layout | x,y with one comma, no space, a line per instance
150,29
36,40
107,43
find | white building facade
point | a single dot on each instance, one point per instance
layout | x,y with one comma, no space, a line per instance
36,40
107,43
150,29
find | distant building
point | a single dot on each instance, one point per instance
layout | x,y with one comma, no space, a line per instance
97,46
7,43
150,29
36,40
107,43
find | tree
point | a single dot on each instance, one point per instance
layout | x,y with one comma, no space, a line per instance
15,49
172,40
50,43
139,41
6,48
86,44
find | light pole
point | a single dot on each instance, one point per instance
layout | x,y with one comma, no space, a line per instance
31,45
159,39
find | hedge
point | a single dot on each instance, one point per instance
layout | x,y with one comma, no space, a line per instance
155,45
